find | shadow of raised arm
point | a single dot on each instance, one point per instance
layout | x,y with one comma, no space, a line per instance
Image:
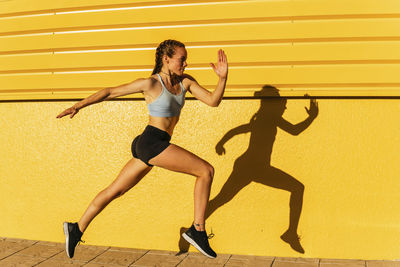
296,129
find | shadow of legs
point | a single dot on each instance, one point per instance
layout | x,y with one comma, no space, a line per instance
279,179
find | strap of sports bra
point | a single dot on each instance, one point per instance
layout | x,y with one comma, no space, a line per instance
183,87
162,83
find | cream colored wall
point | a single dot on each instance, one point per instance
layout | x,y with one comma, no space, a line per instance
346,160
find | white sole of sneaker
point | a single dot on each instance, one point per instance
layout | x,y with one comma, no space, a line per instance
191,241
65,226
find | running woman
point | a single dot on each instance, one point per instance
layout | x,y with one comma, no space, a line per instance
164,92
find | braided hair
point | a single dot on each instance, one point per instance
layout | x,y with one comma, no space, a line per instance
166,47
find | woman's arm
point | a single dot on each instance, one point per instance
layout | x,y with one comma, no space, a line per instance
105,94
212,98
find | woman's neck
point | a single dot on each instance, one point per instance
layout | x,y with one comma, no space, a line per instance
169,77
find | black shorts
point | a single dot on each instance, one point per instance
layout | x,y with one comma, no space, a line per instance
150,143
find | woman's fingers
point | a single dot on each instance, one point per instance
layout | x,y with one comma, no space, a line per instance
213,66
73,113
68,111
224,59
62,114
221,67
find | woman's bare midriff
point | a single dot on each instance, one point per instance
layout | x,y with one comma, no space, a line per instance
164,123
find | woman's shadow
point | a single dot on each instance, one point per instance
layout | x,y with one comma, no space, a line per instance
254,165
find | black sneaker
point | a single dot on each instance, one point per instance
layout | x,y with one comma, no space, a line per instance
72,237
199,240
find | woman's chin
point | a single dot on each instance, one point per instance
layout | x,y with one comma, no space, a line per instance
179,73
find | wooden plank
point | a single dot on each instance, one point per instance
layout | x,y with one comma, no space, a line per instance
246,55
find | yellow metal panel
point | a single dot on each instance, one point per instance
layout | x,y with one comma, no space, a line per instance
25,6
167,14
209,34
33,7
192,34
259,75
85,4
26,82
344,7
244,55
343,28
27,43
366,90
295,7
309,79
157,16
26,62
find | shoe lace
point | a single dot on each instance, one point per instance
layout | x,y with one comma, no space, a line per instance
80,241
211,235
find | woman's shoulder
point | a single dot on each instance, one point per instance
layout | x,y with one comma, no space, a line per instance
148,83
153,79
186,76
187,79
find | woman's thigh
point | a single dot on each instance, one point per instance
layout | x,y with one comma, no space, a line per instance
130,175
176,158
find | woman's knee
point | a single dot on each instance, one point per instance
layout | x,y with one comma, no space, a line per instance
207,172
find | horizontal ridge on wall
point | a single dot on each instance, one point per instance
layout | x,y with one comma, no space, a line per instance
5,29
42,7
298,45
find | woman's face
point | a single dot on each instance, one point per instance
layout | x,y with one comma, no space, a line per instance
177,63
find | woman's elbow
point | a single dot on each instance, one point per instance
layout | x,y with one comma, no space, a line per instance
214,104
110,93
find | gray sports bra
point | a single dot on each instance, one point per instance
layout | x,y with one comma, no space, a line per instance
167,104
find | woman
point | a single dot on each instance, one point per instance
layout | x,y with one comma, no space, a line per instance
164,92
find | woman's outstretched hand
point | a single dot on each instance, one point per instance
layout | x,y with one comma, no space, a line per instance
72,110
221,67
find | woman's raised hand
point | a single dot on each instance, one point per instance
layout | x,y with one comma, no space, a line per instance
72,110
221,68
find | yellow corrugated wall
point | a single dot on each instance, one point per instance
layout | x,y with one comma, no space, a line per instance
344,53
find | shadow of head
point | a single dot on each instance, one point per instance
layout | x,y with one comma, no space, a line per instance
271,101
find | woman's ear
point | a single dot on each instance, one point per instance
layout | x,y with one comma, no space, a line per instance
165,59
